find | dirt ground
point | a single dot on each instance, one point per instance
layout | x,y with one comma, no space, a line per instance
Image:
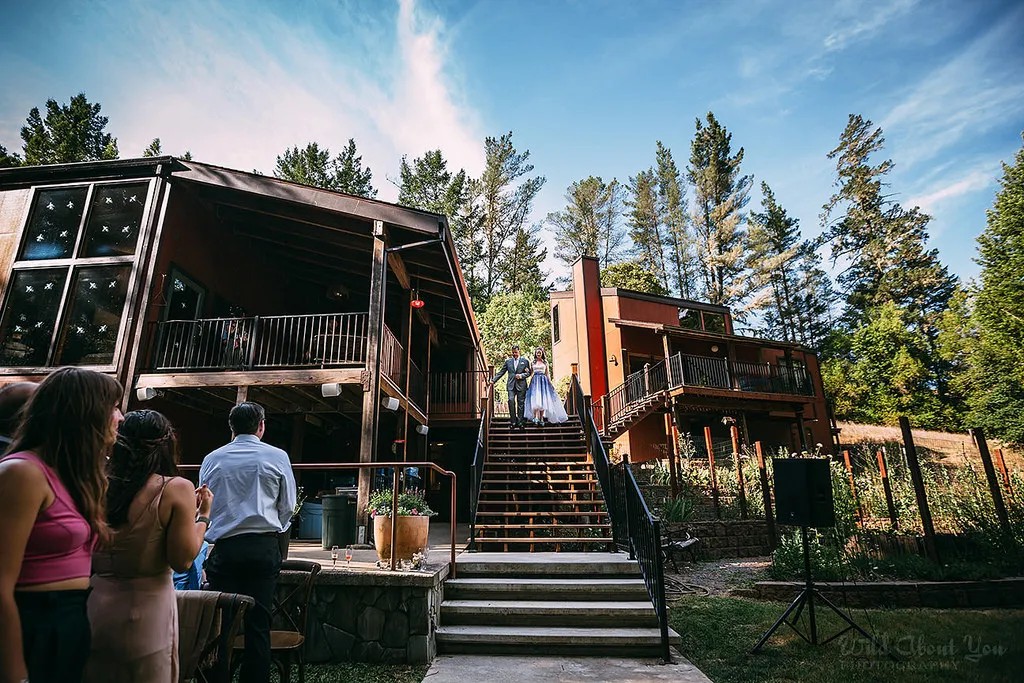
952,447
719,577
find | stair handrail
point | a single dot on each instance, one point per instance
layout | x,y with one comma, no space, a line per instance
633,525
476,469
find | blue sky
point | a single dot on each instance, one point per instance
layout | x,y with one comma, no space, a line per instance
587,86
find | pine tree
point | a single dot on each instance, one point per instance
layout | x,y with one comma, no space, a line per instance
521,268
504,196
672,211
69,132
313,165
721,193
996,394
644,224
7,160
773,248
350,175
590,223
153,150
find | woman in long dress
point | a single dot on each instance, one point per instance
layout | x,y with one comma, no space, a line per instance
541,398
153,517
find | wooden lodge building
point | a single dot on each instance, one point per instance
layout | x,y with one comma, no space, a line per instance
772,391
198,286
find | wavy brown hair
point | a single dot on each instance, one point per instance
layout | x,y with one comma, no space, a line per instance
146,445
68,424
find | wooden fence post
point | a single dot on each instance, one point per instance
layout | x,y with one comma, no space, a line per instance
887,487
734,433
670,451
853,486
766,495
1001,464
922,498
711,467
993,484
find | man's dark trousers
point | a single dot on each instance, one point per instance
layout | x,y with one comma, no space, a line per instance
516,415
249,564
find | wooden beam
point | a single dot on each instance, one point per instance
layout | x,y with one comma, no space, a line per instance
388,387
251,378
371,395
243,394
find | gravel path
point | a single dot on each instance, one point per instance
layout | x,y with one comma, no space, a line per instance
721,577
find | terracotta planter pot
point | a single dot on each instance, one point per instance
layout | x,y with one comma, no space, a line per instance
410,536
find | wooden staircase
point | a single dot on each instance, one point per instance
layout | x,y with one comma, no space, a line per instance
636,411
539,492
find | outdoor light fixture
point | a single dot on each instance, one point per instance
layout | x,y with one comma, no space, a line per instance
613,360
146,393
417,302
422,429
330,390
714,348
390,403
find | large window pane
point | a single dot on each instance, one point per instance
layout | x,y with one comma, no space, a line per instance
689,319
114,220
53,226
714,322
33,301
89,334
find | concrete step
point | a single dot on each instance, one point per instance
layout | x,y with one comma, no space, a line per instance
636,642
544,540
536,565
549,613
625,588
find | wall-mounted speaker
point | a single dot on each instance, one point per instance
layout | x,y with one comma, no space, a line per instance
803,492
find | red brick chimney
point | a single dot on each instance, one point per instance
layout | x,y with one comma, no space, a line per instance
590,322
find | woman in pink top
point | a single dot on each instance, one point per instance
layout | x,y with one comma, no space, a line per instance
52,503
157,522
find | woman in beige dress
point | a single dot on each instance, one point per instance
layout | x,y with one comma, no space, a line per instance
158,521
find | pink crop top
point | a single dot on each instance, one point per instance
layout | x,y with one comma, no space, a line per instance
61,542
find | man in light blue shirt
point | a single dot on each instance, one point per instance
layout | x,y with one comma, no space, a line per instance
254,497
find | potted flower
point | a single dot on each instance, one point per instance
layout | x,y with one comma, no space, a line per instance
413,517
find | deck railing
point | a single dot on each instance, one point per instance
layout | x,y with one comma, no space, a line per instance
476,469
392,358
263,342
458,393
633,526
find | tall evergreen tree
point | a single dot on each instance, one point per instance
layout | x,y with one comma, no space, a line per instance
68,133
521,269
7,159
672,211
153,149
633,275
645,224
504,195
313,165
721,193
884,244
997,373
590,223
773,249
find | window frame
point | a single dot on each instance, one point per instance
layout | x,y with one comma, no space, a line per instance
556,324
75,262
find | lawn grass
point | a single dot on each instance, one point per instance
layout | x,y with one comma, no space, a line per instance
355,672
932,645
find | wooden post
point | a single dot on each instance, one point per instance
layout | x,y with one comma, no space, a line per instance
298,439
922,498
606,413
586,423
802,443
766,494
993,483
241,394
734,432
670,451
408,379
887,487
1001,464
853,486
371,385
711,468
668,361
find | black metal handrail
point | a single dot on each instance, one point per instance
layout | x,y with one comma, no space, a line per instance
476,469
633,525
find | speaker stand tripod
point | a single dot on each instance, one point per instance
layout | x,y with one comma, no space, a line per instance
807,597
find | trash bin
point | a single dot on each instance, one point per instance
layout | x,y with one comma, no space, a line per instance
310,521
339,520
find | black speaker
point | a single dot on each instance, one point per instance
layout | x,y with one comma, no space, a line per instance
803,492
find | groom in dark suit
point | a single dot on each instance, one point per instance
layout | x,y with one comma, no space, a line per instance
518,369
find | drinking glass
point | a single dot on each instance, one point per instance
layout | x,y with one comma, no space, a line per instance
334,555
348,555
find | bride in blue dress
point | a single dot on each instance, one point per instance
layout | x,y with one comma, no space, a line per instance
541,398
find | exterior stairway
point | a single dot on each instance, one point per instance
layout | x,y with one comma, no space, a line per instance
635,412
549,603
539,492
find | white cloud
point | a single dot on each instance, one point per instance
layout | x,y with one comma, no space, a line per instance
237,88
973,181
860,23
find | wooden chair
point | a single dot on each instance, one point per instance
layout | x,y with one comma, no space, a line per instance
675,542
291,608
209,661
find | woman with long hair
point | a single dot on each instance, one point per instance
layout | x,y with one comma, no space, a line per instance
157,522
541,398
53,505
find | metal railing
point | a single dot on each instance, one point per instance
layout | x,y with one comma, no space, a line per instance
417,386
260,342
457,393
633,525
392,358
772,379
476,469
637,387
703,371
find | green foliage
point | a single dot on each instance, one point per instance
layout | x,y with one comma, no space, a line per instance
411,502
562,386
590,223
634,275
153,149
7,160
313,165
678,509
522,272
996,373
68,133
681,264
645,224
510,319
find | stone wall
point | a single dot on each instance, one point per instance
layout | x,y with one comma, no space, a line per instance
373,616
939,594
726,538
